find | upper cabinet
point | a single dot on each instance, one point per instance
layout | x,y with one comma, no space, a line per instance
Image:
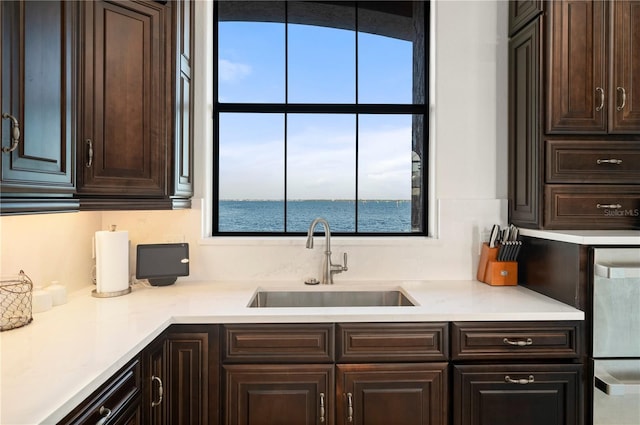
39,116
521,12
124,146
100,93
593,89
574,116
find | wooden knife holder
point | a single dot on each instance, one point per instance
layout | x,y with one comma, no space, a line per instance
494,272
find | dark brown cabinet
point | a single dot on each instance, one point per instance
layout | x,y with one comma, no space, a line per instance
574,132
386,373
39,81
534,378
395,393
279,394
123,151
117,402
181,376
591,88
522,394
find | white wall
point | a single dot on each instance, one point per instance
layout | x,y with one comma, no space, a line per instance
470,150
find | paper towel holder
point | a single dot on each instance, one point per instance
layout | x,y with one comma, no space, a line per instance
162,264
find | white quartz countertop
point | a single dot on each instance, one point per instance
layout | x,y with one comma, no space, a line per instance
51,365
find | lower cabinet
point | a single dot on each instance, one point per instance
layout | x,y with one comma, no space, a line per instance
523,394
181,376
400,394
116,402
279,394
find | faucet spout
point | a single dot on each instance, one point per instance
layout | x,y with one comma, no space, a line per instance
328,268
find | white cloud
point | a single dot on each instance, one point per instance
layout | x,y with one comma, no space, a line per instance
232,71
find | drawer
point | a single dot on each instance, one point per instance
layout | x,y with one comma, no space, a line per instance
278,343
392,342
116,399
593,162
519,340
592,207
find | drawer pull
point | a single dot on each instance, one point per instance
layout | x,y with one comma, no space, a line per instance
519,343
609,206
349,407
105,413
89,144
601,91
609,161
519,381
322,409
160,391
624,98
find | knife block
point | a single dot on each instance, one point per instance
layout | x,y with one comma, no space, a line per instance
494,272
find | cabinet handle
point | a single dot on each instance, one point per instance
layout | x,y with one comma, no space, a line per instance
15,133
322,410
519,343
349,407
624,98
609,206
89,162
529,380
601,91
105,413
160,391
609,161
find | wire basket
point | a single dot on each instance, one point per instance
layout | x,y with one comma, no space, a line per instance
15,301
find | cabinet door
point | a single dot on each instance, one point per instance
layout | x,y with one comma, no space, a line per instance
399,394
624,108
524,117
155,383
279,394
577,66
521,12
183,12
517,394
38,86
192,380
123,151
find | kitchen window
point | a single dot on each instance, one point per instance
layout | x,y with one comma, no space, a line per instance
320,110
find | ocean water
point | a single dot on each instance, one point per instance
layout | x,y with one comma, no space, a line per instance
376,216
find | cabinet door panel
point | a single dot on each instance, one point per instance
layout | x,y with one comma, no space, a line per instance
399,394
38,82
522,394
279,394
577,66
521,12
524,116
624,108
124,150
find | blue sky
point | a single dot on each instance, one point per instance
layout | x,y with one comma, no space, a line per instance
321,149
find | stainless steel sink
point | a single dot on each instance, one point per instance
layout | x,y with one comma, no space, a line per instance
386,298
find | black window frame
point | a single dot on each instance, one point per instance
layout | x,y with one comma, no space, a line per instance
326,108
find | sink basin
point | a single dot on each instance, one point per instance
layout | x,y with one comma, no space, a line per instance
386,298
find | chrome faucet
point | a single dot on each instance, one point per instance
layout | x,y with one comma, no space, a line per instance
328,268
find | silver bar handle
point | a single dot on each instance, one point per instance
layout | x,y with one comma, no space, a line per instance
322,409
105,413
15,133
529,380
160,391
349,407
89,144
609,161
624,98
609,206
518,343
601,91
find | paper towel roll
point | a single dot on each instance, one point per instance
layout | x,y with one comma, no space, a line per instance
112,261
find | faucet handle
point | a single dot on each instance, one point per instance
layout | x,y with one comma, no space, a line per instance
344,266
